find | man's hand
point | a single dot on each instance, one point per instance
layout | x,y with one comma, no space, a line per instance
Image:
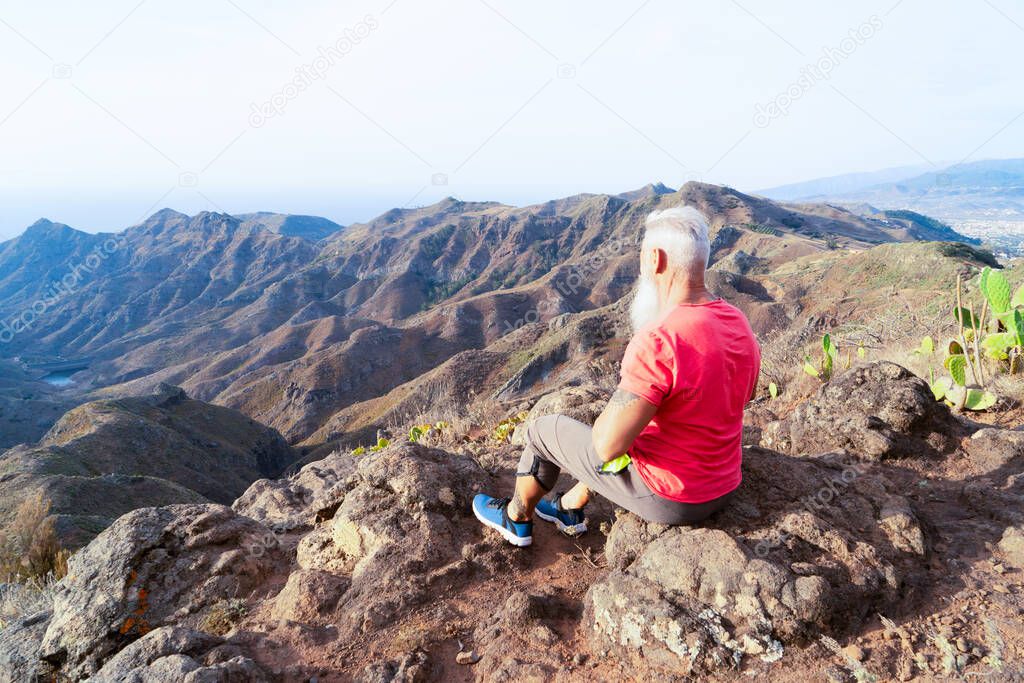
620,423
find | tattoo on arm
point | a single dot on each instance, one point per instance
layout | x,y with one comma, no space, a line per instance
621,399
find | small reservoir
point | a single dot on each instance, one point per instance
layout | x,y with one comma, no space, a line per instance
61,378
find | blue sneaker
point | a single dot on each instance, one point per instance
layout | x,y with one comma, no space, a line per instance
493,512
569,522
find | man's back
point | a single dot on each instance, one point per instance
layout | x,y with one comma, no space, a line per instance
699,364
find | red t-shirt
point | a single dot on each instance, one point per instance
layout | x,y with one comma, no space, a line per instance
698,363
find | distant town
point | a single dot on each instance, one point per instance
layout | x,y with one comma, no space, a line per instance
1004,237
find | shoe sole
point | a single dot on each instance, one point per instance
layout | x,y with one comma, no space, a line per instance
518,541
567,529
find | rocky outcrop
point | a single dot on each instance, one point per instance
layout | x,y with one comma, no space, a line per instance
396,533
298,501
178,654
878,410
371,568
809,545
154,567
19,650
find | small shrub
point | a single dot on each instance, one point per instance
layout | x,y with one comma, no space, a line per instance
823,370
419,432
30,548
223,617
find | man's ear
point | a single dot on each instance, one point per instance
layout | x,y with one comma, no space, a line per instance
660,261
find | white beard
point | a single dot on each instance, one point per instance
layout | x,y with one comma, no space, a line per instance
645,308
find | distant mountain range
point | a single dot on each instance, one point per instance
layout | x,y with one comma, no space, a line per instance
977,190
841,184
294,319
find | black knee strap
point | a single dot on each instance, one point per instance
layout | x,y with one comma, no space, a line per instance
543,472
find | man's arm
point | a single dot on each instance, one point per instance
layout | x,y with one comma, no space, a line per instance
620,423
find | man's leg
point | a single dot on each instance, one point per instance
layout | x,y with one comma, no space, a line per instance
538,469
557,443
576,497
527,494
536,475
552,443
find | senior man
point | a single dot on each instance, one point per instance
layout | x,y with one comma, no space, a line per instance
677,414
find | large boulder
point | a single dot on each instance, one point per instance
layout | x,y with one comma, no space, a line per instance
877,410
296,502
309,594
19,650
180,654
153,567
808,545
396,537
185,669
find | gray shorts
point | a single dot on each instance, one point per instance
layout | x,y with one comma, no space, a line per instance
555,443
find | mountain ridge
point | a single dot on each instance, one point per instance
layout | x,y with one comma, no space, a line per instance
278,326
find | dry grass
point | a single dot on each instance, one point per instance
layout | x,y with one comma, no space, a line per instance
465,417
1008,386
30,549
782,355
31,562
19,600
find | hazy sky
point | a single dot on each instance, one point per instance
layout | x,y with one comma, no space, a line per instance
111,110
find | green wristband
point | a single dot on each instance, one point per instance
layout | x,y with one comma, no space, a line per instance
615,465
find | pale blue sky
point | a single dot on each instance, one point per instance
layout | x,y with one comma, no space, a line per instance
110,110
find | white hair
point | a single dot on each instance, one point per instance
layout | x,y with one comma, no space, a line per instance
682,232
